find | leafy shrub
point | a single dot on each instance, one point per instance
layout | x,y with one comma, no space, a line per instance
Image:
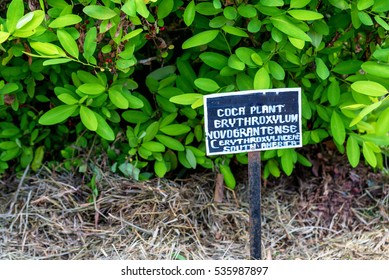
127,78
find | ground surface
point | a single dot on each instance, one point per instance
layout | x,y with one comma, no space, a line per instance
327,212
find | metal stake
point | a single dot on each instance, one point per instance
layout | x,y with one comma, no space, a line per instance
254,173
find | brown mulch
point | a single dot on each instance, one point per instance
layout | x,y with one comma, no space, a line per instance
328,212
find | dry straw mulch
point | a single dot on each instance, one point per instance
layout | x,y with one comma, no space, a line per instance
49,216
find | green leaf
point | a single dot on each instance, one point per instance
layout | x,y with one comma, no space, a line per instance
88,118
347,67
257,59
128,168
117,98
103,128
191,158
272,3
24,20
276,70
129,8
235,63
377,69
68,99
214,60
207,9
262,79
68,42
200,39
365,112
151,131
297,4
234,31
334,93
160,168
38,158
206,84
287,161
381,22
340,4
364,4
337,128
154,146
247,11
91,88
100,12
273,168
134,116
4,36
245,55
321,68
305,15
285,25
170,142
165,7
254,25
365,18
56,61
57,114
175,129
369,155
141,8
186,99
132,34
382,126
189,13
353,151
380,6
369,88
90,44
8,88
14,12
29,28
65,20
47,49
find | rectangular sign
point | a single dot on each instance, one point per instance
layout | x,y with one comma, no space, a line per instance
255,120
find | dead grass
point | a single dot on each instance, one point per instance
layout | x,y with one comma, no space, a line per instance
48,216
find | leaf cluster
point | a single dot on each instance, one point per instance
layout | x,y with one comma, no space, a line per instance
127,78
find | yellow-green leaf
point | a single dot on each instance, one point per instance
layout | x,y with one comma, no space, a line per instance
88,118
91,89
262,79
99,12
57,114
353,151
285,25
68,42
65,20
4,36
305,15
200,39
369,88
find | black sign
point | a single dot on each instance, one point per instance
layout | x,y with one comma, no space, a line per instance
252,120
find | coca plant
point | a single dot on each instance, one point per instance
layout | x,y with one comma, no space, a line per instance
127,79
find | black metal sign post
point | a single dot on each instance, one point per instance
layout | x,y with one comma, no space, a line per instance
254,172
252,121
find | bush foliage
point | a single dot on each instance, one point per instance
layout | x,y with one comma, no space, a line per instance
126,78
